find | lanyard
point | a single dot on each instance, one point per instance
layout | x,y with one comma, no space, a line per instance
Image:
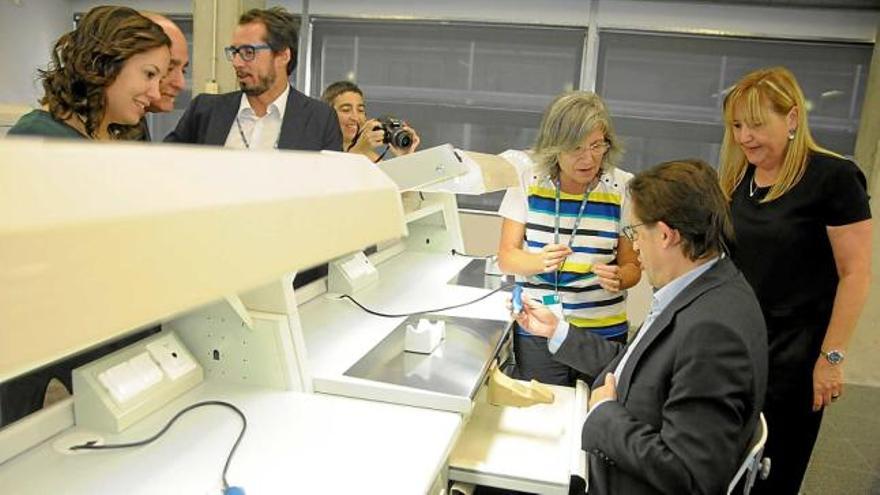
244,139
574,228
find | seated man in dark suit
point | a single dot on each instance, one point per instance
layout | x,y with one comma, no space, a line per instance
267,113
672,411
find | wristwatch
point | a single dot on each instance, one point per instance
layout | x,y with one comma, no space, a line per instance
833,356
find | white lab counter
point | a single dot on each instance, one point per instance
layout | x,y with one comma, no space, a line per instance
295,443
527,449
531,449
337,333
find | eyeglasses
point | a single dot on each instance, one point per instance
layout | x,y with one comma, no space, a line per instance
596,149
629,231
246,52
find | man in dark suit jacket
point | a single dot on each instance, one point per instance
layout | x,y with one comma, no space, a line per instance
267,112
674,410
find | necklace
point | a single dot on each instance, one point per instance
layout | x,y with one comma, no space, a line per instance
754,188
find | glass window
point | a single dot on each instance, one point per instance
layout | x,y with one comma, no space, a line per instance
479,87
665,91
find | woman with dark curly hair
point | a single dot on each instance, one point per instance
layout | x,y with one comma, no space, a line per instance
102,77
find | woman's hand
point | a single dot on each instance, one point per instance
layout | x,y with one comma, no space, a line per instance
412,147
368,139
827,383
608,276
551,257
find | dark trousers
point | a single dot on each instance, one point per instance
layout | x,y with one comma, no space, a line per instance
792,426
535,362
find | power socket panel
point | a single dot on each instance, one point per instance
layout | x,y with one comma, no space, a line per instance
117,390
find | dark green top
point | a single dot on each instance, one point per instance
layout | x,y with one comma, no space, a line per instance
42,123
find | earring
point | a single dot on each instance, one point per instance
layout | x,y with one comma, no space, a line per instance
791,134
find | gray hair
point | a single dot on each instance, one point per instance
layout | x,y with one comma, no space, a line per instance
566,122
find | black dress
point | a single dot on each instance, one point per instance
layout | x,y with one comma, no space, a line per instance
782,248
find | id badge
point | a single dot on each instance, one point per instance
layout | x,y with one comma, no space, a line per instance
554,304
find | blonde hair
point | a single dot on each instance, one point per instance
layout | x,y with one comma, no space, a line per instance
774,89
566,122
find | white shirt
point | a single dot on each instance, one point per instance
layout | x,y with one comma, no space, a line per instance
260,133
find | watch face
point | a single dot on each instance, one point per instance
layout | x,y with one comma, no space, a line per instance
834,357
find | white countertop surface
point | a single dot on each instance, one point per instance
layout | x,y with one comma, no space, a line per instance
295,443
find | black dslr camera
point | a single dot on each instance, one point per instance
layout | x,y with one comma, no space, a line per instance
395,134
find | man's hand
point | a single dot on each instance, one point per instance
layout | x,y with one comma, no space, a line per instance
606,391
537,319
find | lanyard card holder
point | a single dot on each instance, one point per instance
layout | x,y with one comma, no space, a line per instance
553,302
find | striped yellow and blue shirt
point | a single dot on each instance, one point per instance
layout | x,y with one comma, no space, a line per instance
585,303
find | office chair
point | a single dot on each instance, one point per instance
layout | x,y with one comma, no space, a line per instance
754,464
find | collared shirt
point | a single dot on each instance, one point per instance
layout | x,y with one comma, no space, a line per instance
661,299
261,133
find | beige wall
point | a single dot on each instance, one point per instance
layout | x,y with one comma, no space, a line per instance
864,348
863,367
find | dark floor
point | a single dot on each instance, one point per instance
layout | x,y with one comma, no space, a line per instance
846,459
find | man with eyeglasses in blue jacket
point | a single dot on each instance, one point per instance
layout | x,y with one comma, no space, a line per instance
267,112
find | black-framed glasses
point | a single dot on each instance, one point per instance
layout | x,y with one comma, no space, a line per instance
246,52
629,231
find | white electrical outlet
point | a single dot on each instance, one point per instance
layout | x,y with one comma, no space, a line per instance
128,379
172,357
351,273
117,390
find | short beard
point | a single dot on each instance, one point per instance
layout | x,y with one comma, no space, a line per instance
265,82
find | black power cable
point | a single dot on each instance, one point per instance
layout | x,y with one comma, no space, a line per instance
456,252
392,315
384,152
92,446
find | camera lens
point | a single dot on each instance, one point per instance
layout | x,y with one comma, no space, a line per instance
401,138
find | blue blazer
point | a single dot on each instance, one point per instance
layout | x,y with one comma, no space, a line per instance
309,124
689,396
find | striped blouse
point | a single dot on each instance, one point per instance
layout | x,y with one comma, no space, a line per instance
584,302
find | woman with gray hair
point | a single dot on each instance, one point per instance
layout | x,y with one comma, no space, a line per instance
561,234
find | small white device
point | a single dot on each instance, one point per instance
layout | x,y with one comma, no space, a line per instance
424,337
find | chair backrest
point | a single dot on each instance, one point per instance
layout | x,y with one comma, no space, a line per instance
751,464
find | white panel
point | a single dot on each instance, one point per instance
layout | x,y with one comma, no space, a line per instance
98,239
556,12
772,22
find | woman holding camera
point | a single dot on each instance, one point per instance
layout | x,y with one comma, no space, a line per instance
363,136
102,77
561,233
803,241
